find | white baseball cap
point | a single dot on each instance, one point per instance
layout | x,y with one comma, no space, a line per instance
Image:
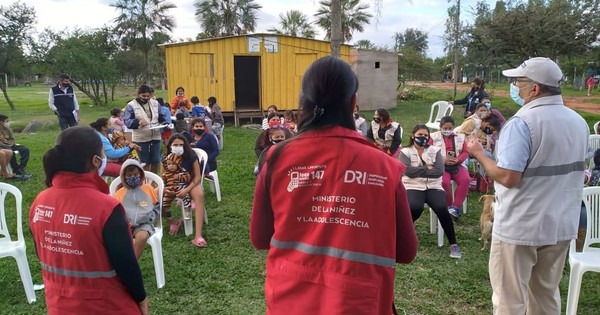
539,69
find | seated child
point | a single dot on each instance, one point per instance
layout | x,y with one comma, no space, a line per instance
175,178
118,142
290,120
183,109
140,203
180,123
197,109
274,136
115,122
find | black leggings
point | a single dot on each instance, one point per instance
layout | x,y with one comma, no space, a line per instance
436,199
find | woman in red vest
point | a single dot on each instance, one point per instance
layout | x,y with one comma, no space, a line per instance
81,234
331,208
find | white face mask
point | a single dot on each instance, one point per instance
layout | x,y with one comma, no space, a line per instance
102,166
7,124
447,133
177,150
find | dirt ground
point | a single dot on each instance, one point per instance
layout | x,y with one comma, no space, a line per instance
576,102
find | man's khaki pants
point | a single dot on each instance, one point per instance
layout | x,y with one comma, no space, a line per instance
526,278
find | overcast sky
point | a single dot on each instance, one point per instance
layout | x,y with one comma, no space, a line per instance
396,16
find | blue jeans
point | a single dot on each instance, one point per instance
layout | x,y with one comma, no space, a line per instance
66,122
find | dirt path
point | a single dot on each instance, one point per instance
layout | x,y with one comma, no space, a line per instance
576,102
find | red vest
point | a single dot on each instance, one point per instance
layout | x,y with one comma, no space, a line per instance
334,246
67,221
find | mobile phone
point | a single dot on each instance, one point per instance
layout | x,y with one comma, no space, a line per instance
451,154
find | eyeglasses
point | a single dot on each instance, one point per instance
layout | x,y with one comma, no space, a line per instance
515,80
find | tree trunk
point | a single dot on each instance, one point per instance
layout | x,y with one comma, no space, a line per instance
10,103
105,92
336,27
84,91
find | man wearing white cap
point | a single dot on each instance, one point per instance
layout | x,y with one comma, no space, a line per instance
538,179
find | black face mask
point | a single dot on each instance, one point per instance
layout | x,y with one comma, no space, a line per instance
356,116
142,101
275,141
476,88
487,131
199,131
422,141
377,119
65,86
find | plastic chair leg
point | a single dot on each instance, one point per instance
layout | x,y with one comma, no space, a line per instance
25,274
435,225
574,289
215,186
157,256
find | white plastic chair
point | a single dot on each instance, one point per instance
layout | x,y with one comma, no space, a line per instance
443,109
433,227
596,127
155,241
593,145
214,182
188,224
16,248
589,258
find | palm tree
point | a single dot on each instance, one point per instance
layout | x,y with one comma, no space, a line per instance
364,44
354,17
139,19
226,17
294,23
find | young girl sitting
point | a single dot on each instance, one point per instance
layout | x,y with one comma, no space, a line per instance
290,120
115,122
175,178
140,203
274,136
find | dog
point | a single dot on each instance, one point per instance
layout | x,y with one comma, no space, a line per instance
487,218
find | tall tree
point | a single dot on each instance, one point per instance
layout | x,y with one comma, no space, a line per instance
88,57
16,23
294,23
226,17
138,19
354,18
412,38
516,30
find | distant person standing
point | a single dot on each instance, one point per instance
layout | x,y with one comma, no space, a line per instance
63,102
591,81
534,218
217,118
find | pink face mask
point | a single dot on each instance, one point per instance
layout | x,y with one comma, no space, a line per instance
273,123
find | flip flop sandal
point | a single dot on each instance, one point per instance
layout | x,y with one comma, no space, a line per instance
200,242
174,228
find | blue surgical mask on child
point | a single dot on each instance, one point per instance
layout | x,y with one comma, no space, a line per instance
514,94
133,181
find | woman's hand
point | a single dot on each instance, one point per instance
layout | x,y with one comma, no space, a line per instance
144,307
451,161
132,146
143,123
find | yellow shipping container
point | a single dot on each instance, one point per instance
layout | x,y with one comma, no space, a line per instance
245,73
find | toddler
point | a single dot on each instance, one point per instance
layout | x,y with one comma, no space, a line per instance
175,178
116,122
118,142
140,203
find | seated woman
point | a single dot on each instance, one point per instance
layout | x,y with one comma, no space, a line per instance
473,122
113,167
453,149
360,122
384,132
179,145
262,139
423,182
201,137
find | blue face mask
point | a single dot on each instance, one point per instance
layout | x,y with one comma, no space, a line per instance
133,181
514,94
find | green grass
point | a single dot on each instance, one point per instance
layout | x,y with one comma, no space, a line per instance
227,277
